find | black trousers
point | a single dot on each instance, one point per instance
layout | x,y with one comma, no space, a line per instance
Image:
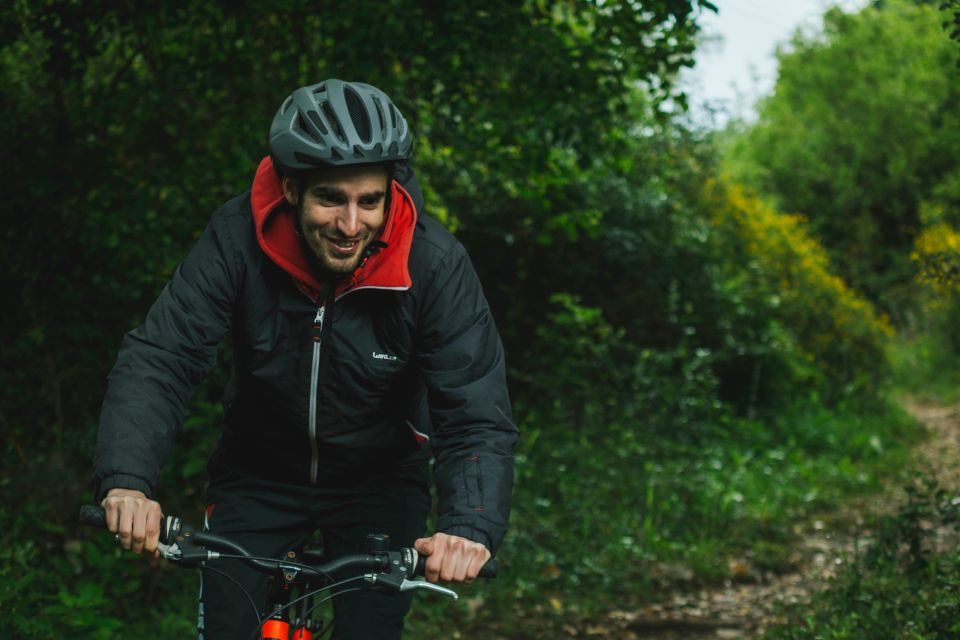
270,518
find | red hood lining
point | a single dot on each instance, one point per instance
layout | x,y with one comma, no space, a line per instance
274,219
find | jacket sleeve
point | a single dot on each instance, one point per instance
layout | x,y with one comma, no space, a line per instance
161,362
461,358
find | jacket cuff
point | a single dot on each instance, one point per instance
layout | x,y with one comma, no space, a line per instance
468,532
122,481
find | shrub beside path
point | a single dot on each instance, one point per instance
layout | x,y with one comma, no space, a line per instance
749,602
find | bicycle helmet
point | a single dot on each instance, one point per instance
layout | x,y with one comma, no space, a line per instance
337,123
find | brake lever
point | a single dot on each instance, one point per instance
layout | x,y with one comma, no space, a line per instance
410,585
179,547
401,584
170,552
400,565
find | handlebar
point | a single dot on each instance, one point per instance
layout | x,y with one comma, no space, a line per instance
184,545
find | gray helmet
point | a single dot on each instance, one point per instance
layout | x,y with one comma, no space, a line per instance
337,123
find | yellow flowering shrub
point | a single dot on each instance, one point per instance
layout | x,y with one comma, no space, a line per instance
775,256
936,254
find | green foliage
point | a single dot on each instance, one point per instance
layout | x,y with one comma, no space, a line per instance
952,21
902,584
667,372
937,255
630,449
625,512
925,362
812,331
587,376
127,127
58,582
131,126
860,130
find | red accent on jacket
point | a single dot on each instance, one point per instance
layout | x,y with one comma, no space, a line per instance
274,219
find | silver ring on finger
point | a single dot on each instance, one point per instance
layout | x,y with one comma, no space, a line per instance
116,537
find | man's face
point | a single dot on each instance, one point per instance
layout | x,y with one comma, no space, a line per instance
342,210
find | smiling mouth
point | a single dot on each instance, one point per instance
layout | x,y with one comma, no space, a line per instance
344,247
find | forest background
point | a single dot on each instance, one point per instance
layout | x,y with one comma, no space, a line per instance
706,330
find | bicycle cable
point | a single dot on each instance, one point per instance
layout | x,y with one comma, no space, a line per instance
226,575
309,594
338,593
295,565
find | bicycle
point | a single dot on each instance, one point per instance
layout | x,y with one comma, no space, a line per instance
390,570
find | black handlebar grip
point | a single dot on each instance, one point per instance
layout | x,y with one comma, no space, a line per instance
489,570
92,515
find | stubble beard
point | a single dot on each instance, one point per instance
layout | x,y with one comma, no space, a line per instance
331,265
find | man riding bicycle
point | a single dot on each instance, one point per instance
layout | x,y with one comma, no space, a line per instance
361,343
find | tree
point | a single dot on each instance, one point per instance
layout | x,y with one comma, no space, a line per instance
952,24
862,127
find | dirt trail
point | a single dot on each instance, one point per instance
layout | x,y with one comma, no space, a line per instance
746,609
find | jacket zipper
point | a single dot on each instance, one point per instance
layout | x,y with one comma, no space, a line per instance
314,378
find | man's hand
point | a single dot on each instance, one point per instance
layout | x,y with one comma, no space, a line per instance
452,558
135,519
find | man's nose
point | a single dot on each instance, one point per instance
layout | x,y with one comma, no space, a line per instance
348,223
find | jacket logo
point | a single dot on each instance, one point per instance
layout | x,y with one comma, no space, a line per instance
383,356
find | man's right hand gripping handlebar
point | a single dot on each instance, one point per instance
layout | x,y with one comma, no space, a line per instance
135,520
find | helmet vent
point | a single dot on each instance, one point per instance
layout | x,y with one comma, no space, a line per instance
301,126
381,118
334,123
393,117
317,122
358,114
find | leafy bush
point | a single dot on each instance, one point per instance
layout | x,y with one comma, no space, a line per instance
817,331
937,256
632,475
905,583
925,359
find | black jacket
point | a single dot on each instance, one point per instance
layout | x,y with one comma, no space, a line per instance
324,381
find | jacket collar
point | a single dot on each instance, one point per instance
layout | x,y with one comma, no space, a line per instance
274,219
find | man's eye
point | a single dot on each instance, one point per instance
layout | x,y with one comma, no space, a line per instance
328,199
369,203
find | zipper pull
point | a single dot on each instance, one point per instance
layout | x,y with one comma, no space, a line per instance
319,318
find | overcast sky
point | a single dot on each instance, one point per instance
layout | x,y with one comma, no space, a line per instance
736,65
